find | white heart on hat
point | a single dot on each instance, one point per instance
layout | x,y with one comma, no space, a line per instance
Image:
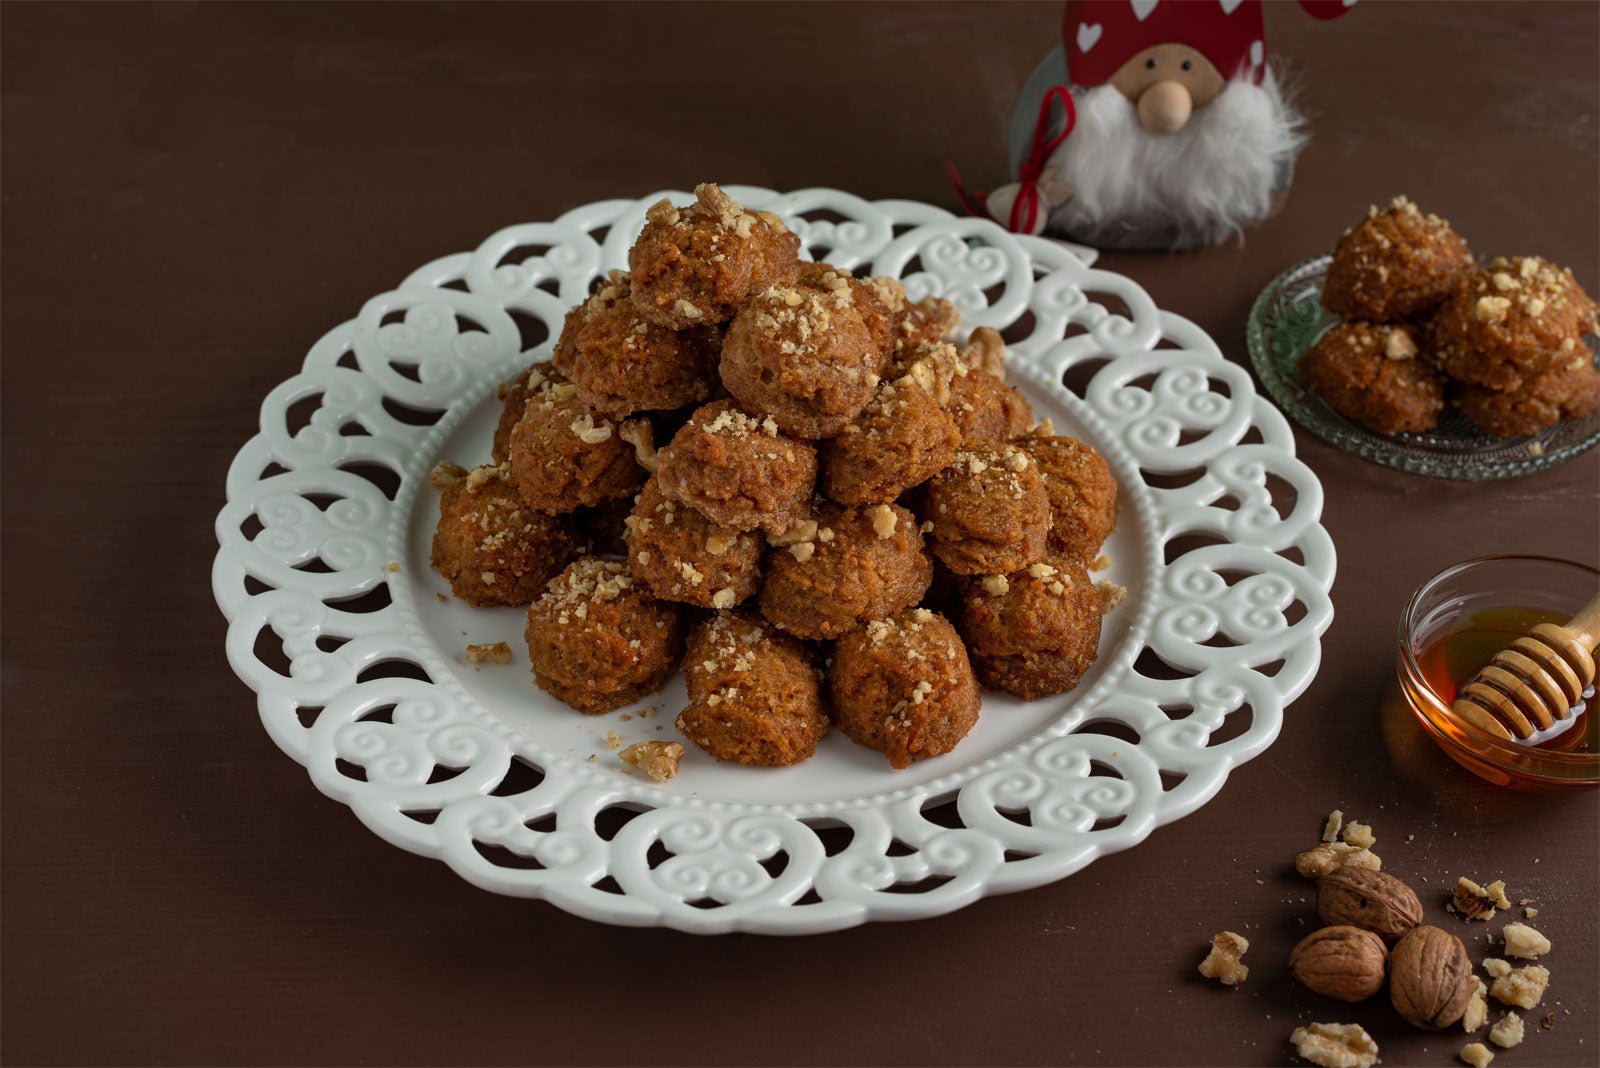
1230,6
1088,35
1256,52
1142,8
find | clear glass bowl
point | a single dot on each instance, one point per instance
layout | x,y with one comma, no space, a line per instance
1440,607
1288,318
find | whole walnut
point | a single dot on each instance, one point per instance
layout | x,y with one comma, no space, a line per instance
1430,978
1368,899
1342,962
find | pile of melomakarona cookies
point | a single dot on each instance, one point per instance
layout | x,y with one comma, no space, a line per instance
1425,324
853,522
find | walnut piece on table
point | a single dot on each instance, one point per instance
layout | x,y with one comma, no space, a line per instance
1479,902
1508,1032
1223,963
1477,1013
1335,1045
1522,987
658,759
1477,1054
1525,942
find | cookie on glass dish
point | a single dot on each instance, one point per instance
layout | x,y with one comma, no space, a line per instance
1514,320
1394,265
1375,375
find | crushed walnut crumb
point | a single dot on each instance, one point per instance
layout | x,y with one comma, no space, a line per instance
1508,1032
499,652
1476,1054
659,760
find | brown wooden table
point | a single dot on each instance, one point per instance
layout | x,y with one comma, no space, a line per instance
194,193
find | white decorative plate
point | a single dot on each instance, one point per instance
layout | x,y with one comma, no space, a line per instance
357,658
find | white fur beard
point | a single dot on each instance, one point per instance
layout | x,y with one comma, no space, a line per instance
1198,186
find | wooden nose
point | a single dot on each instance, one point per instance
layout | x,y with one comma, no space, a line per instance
1165,107
1535,683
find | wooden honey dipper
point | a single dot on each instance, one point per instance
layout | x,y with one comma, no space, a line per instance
1528,688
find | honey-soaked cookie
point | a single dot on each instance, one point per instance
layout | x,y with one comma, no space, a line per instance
737,470
1394,264
623,363
597,641
755,695
693,265
1034,632
989,510
845,566
491,546
903,686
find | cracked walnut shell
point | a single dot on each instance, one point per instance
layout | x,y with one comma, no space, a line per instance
1430,978
1341,962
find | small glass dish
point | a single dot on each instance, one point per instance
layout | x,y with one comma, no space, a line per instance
1454,604
1288,318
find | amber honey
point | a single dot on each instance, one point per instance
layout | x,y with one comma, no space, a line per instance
1451,661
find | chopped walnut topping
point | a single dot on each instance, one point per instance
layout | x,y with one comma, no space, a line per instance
800,530
1223,963
479,475
586,430
1397,344
641,435
996,585
1111,595
883,520
613,740
446,474
724,598
802,551
1335,1045
1523,941
1503,281
720,540
662,212
499,652
1359,835
1316,863
1476,1054
1522,987
1330,829
488,578
1508,1032
1492,309
986,351
659,759
687,310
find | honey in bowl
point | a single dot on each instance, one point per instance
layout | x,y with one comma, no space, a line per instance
1450,661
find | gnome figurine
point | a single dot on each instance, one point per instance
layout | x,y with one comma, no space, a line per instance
1156,125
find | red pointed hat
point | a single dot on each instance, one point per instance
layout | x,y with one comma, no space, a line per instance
1101,35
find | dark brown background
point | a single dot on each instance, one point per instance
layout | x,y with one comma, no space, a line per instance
193,194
